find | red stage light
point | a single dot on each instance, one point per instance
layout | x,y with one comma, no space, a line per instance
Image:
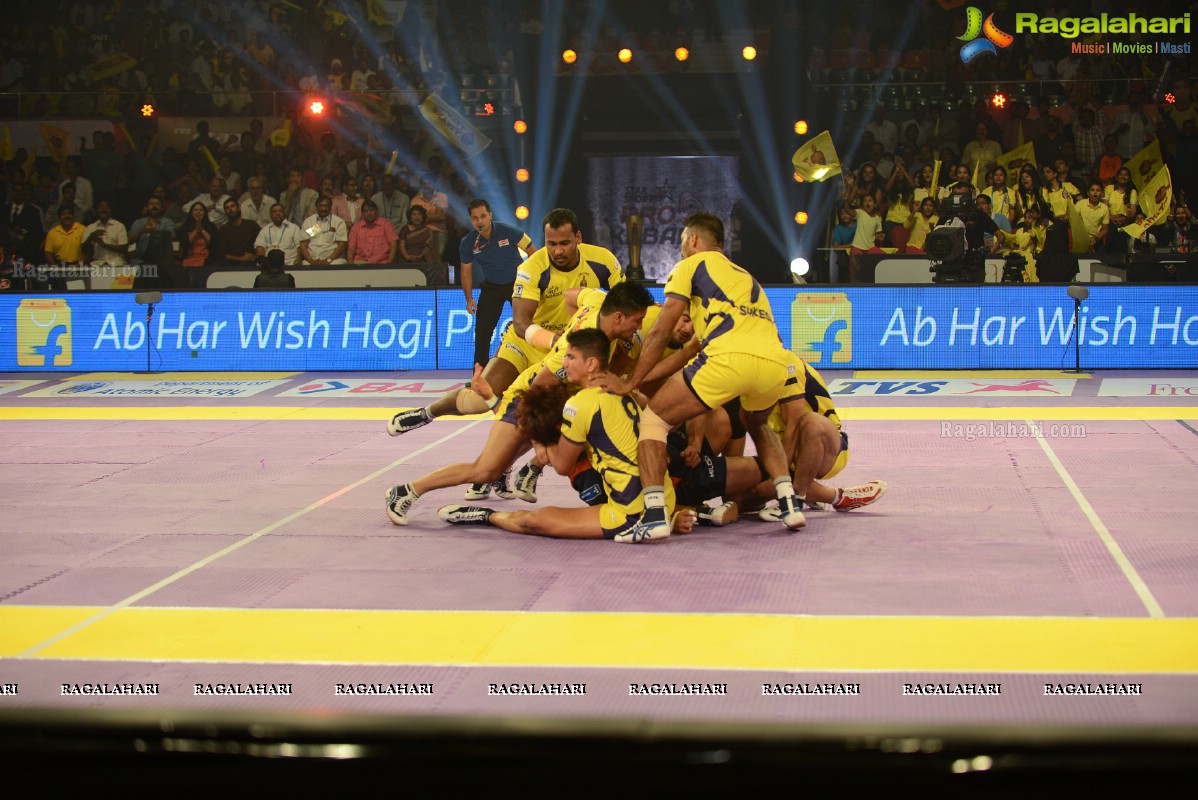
316,107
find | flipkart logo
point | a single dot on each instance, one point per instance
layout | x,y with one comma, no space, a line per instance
822,328
974,27
43,333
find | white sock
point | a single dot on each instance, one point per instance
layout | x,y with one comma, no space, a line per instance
783,487
655,497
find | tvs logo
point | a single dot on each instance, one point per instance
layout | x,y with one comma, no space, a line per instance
974,27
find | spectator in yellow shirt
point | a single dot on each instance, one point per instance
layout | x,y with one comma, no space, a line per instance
64,242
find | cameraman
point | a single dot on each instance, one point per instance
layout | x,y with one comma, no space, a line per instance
960,211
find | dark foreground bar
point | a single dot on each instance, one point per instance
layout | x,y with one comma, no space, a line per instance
82,750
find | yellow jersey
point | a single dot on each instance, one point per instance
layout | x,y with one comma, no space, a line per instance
729,308
537,279
608,426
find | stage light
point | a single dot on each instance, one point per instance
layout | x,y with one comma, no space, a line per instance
521,212
801,217
625,55
147,110
801,127
520,126
1170,98
749,53
316,107
998,100
522,175
569,56
682,54
488,109
798,268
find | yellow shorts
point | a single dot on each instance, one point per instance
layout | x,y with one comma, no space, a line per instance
842,460
757,381
518,352
506,410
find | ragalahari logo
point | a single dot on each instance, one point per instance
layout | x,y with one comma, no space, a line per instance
974,27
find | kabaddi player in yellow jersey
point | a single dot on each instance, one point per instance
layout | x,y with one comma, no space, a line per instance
603,426
741,356
680,349
539,316
619,318
816,446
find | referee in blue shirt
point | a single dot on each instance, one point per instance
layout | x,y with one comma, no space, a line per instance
494,248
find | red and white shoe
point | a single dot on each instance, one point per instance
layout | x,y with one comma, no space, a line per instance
852,497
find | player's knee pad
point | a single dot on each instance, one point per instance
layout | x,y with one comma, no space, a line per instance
469,401
653,427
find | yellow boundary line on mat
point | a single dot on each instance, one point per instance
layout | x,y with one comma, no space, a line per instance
324,413
510,638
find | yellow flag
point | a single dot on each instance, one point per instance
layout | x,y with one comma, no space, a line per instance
935,187
977,176
211,160
453,126
816,160
108,66
56,141
281,137
1014,160
374,10
1145,164
1077,227
6,151
372,106
1155,201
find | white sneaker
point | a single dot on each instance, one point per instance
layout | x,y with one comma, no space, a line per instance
406,421
399,501
503,486
478,491
858,496
720,515
655,530
465,515
525,486
791,510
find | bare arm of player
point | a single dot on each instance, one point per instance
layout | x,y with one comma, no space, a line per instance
561,456
791,413
654,346
674,362
522,313
468,285
696,429
570,296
